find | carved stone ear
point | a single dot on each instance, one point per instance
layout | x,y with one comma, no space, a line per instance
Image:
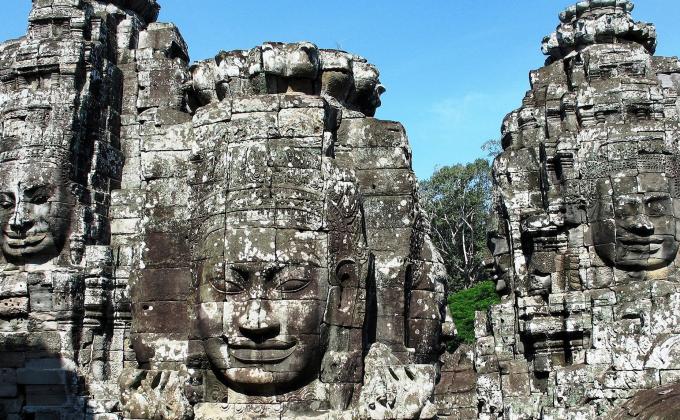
342,297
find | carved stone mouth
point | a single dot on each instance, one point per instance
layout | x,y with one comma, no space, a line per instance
22,241
650,240
642,244
270,351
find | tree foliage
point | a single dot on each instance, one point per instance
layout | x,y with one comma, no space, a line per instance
492,148
465,303
458,199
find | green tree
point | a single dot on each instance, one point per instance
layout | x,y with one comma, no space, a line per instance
458,199
465,303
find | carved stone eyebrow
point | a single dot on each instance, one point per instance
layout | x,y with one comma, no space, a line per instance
628,199
240,270
272,270
289,267
246,269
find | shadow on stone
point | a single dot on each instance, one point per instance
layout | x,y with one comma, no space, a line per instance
37,382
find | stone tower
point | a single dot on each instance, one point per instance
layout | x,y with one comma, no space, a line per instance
586,246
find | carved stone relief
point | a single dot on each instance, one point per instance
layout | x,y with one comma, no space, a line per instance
233,237
239,237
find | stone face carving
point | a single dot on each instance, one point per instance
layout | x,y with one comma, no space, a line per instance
36,196
586,242
270,294
287,303
35,211
634,224
233,238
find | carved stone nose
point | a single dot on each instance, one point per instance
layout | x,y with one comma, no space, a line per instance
20,222
641,224
257,321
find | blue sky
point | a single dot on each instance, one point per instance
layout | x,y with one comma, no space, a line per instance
453,68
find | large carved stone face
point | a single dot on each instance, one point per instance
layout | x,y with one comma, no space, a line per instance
642,233
261,308
35,207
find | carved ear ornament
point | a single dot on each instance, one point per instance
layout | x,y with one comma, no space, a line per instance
77,248
346,272
78,191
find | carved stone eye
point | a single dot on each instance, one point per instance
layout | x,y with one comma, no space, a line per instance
626,207
232,288
38,195
659,206
39,199
6,201
293,285
655,208
233,284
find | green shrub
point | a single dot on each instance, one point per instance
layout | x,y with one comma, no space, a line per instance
465,303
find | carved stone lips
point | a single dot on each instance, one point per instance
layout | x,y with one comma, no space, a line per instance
641,240
14,240
642,243
270,351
